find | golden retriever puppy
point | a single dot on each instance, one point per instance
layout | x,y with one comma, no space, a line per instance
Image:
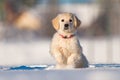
65,46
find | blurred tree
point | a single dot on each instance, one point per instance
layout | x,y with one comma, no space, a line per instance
52,9
29,2
1,10
112,12
13,8
108,22
46,12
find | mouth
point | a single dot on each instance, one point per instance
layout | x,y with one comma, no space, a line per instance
67,31
66,28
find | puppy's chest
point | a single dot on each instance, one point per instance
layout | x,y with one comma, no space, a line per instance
67,44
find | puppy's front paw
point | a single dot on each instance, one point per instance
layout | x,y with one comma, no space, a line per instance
60,59
70,67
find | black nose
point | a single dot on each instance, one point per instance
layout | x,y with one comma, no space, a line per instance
66,25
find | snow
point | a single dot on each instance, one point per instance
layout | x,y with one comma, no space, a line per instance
52,67
76,74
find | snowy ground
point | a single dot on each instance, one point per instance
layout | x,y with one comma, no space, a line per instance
76,74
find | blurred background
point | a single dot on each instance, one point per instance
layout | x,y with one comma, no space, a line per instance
26,30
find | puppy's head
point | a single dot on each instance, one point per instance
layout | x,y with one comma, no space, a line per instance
66,22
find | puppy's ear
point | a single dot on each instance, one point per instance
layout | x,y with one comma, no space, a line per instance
55,23
77,22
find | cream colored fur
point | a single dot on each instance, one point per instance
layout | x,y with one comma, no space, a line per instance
67,52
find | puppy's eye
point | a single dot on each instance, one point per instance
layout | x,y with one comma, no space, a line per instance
70,20
62,20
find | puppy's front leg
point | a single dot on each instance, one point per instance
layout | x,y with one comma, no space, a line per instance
73,61
60,58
